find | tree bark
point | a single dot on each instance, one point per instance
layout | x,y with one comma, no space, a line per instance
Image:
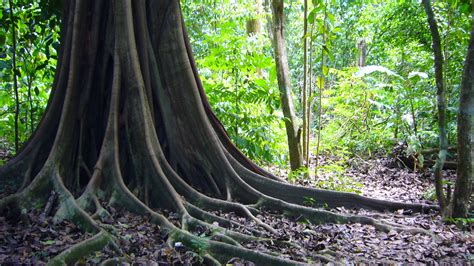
253,24
306,126
321,81
362,46
15,81
465,172
441,101
281,60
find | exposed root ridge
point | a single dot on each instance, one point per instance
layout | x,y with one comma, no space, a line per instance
317,216
82,249
297,194
223,246
211,218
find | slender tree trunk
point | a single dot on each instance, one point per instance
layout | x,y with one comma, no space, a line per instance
413,112
465,172
30,99
309,99
281,60
30,106
362,46
441,101
15,81
305,85
254,25
321,84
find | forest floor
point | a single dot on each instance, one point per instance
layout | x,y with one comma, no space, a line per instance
35,239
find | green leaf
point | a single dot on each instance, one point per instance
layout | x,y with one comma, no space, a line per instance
328,52
4,65
48,242
39,67
325,70
320,83
331,17
311,17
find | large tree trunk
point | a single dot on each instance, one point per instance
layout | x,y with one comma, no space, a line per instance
128,113
465,173
281,60
441,102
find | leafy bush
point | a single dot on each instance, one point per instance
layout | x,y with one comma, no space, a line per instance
37,40
239,76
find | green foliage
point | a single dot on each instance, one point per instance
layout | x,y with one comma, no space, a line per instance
330,176
37,34
463,223
374,107
245,101
300,173
431,194
309,201
337,180
392,100
239,76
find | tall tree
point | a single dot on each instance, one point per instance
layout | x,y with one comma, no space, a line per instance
128,113
362,47
281,60
465,172
441,102
306,124
15,73
323,31
253,24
